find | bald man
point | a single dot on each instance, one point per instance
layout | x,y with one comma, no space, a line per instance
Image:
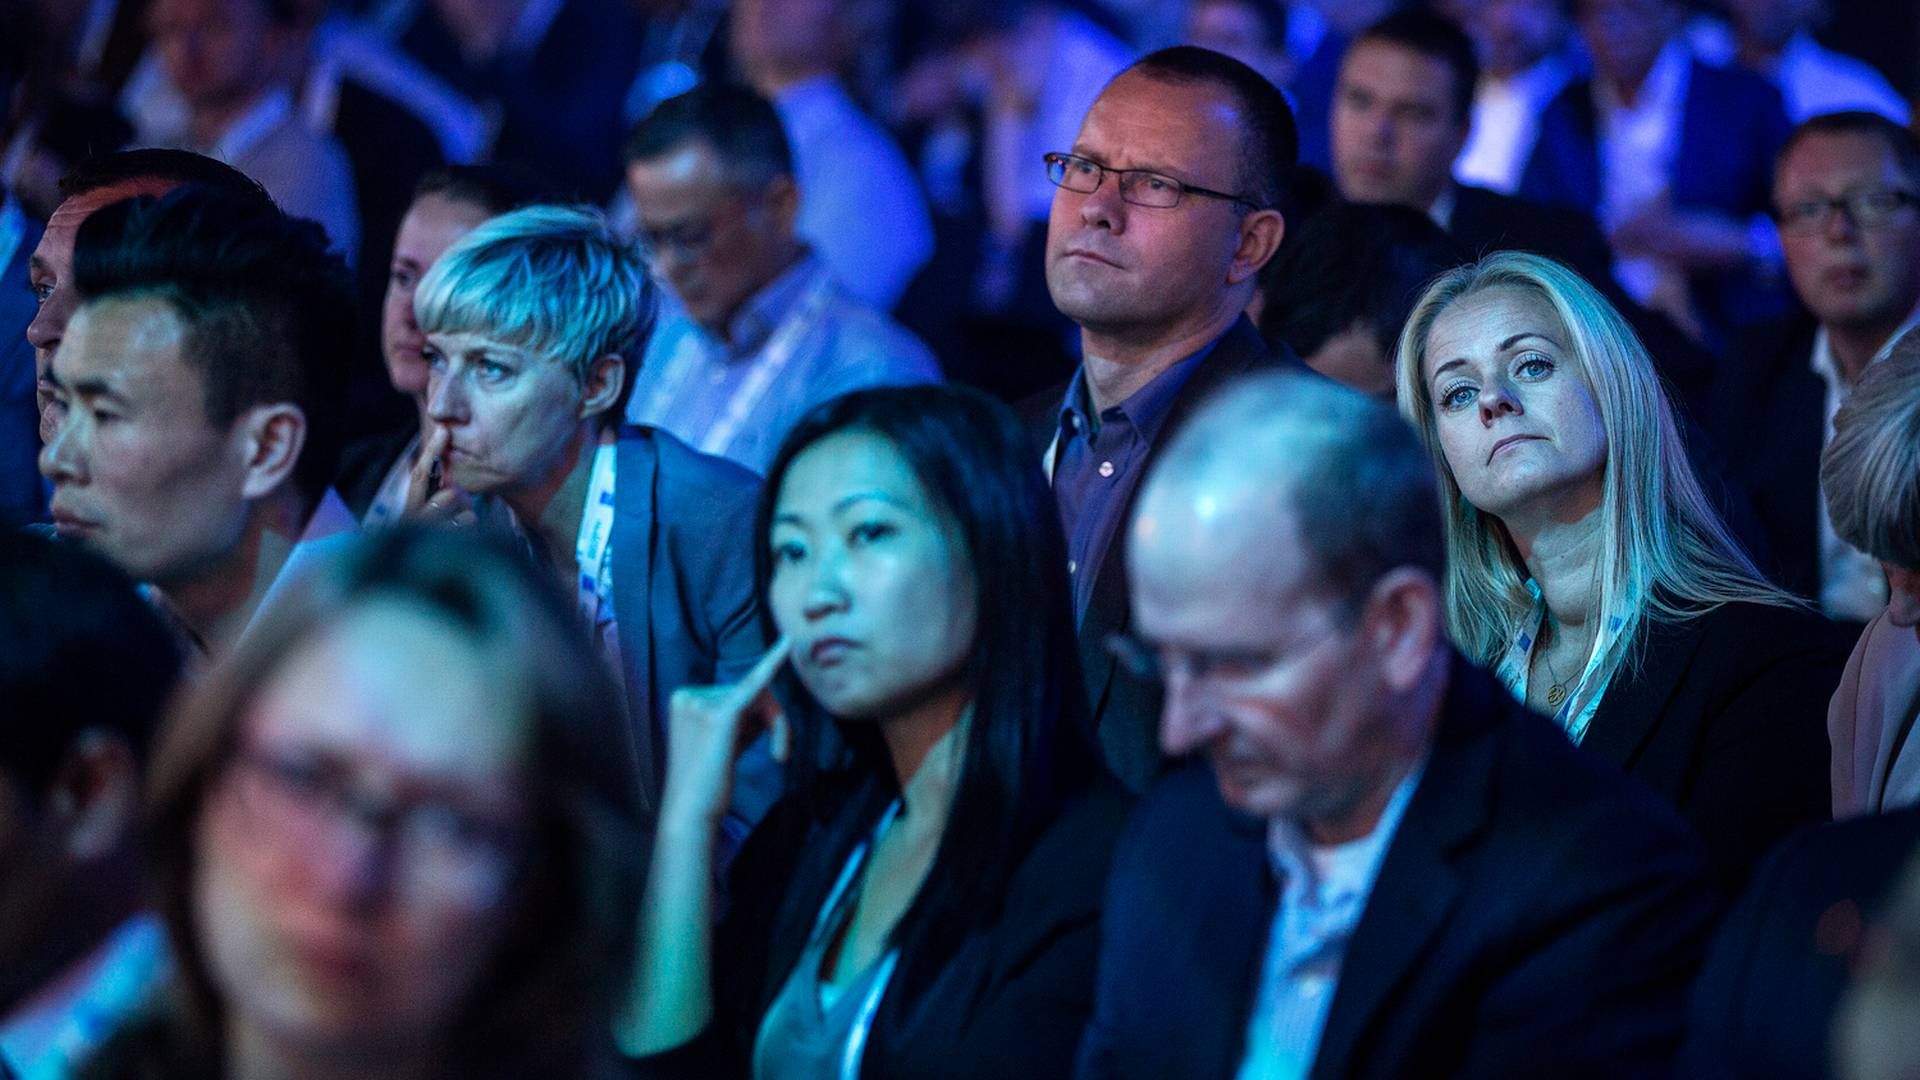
1402,872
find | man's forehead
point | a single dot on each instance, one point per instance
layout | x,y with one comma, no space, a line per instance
1141,121
1829,157
126,344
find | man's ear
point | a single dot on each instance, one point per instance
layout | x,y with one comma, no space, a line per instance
605,378
272,438
94,801
783,202
1260,234
1405,623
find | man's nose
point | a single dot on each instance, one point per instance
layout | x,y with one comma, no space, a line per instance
1187,721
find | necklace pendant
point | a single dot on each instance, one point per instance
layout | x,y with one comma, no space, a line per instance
1556,694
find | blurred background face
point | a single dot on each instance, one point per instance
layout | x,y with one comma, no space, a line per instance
1395,134
1847,272
431,226
1517,423
354,858
870,580
1772,22
1239,31
1354,356
1513,35
1261,677
1626,36
217,52
781,37
510,413
139,473
713,244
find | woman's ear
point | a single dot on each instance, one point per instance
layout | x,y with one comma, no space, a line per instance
606,377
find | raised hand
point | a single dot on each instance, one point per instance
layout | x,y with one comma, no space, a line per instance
708,727
430,497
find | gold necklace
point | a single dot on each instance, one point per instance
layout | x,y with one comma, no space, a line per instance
1557,689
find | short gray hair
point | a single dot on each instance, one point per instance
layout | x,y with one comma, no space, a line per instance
1871,470
554,280
1354,475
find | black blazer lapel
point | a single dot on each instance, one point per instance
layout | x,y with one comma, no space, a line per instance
1419,886
1226,946
1635,699
635,529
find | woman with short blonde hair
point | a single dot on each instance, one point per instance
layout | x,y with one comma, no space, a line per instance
1586,564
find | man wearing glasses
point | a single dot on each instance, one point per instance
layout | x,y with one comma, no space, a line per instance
1846,200
1385,867
1169,203
763,332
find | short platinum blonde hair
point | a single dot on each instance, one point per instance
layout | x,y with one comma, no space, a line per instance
1662,542
554,280
1870,472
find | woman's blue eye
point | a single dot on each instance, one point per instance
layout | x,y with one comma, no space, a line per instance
494,372
1533,365
1456,396
788,552
871,531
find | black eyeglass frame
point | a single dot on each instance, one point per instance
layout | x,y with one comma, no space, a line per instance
1785,217
1057,164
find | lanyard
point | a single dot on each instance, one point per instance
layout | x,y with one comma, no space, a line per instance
856,1047
594,553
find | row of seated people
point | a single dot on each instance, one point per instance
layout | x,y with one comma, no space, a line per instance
1579,561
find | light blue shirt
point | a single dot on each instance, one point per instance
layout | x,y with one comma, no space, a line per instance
860,202
1323,891
800,341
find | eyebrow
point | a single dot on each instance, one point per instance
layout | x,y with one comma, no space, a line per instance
1163,170
1516,339
88,388
788,517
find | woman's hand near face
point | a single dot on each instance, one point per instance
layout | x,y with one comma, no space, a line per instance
708,728
430,497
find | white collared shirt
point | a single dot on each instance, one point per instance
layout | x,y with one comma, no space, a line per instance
1852,585
1323,891
1637,147
1506,121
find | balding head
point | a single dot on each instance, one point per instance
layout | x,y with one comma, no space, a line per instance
1285,560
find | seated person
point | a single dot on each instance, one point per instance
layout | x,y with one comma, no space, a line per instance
924,901
1765,1003
198,394
532,323
1339,293
85,670
1587,569
763,331
446,204
1871,474
1385,867
368,874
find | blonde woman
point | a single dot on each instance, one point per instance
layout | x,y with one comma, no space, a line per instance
1587,568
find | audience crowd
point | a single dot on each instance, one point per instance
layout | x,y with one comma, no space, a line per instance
807,539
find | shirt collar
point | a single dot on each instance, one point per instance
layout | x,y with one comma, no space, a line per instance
757,319
1822,361
1664,88
1147,409
1328,873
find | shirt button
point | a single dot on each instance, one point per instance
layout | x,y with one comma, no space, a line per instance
1106,468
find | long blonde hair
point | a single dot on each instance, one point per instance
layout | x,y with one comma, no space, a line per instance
1664,552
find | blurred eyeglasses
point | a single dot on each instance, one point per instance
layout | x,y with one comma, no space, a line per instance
311,805
1866,209
1137,186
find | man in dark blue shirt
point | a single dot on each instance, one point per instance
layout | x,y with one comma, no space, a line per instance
1170,202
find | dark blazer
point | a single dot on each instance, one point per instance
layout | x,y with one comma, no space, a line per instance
1768,410
1009,1002
1126,710
1536,915
23,497
1732,125
1726,716
682,555
1765,1001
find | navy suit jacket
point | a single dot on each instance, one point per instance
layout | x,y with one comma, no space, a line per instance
1768,410
1536,914
1765,1002
1126,710
1732,126
683,594
23,498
